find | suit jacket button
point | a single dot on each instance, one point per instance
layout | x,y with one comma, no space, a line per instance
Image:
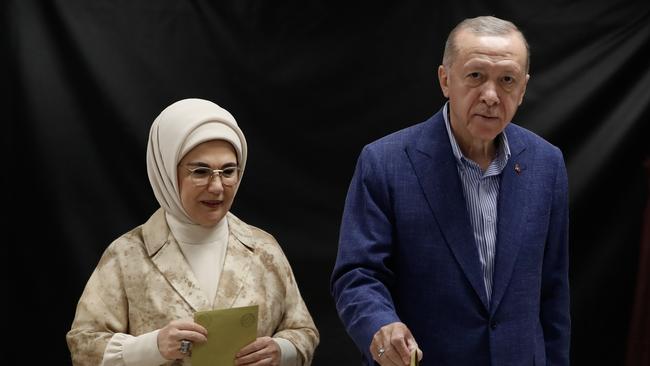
493,325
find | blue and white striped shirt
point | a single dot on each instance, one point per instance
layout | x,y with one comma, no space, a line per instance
481,191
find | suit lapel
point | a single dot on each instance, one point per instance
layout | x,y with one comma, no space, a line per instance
166,255
512,207
435,167
170,261
237,264
172,264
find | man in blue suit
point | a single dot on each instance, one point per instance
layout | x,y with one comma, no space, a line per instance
454,238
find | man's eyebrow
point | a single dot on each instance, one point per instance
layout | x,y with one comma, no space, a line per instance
501,67
476,61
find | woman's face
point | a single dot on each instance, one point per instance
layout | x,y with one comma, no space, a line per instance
207,204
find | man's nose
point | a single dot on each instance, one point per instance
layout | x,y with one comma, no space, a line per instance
489,94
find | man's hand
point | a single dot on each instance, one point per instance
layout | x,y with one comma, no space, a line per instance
392,345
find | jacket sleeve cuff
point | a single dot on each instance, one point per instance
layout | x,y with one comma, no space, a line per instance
143,350
289,354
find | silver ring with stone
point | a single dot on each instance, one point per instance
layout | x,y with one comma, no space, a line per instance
185,346
380,351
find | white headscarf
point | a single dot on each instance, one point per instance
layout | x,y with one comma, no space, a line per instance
178,129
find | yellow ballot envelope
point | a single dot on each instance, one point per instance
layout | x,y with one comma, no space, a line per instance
414,357
229,330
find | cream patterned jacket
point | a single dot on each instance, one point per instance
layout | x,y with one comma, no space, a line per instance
142,282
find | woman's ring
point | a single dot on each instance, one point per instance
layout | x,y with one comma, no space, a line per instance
380,352
185,346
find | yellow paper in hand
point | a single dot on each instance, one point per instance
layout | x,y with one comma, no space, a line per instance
229,330
414,357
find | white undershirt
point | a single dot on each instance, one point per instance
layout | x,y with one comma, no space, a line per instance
205,251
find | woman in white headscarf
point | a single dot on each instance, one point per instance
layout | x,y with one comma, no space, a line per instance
191,255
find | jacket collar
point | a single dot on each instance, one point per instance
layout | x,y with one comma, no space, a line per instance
165,253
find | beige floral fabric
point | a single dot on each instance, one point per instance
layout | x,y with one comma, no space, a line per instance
142,282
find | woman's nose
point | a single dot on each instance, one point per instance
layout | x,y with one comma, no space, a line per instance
215,185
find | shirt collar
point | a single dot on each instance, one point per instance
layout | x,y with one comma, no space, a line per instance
503,148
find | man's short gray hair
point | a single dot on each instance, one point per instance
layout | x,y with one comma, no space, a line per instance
483,25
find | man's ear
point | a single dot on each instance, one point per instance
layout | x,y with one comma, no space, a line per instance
523,92
443,79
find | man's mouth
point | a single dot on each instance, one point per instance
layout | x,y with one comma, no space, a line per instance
487,116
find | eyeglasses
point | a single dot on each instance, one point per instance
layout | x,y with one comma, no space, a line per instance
201,176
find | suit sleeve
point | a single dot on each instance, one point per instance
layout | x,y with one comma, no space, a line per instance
555,307
362,275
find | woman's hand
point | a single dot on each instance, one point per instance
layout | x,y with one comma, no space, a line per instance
170,337
262,351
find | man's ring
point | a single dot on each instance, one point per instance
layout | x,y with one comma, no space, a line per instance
380,352
185,346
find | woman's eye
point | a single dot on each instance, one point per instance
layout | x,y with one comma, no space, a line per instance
229,172
201,172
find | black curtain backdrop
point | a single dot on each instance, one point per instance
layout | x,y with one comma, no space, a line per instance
638,352
310,83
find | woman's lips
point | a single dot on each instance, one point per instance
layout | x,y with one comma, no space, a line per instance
211,203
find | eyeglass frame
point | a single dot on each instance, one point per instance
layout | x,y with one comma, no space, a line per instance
217,172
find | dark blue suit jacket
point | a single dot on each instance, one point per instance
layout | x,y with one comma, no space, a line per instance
407,252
